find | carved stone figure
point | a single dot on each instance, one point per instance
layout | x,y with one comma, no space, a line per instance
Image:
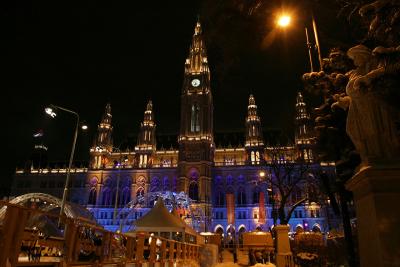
371,123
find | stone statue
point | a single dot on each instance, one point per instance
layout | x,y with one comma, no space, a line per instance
371,122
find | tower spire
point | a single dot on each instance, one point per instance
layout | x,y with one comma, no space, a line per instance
104,129
254,138
303,135
196,141
103,142
196,62
146,143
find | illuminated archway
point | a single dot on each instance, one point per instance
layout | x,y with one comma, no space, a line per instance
299,228
316,228
219,229
47,202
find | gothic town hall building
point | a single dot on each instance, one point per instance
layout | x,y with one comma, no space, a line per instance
226,185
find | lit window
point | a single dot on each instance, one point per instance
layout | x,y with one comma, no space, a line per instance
195,119
252,157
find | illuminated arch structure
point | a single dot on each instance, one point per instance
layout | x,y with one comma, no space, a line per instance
190,213
49,203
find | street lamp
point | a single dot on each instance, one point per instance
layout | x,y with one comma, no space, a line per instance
121,163
52,112
283,21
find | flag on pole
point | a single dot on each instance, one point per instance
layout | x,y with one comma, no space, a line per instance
230,208
261,209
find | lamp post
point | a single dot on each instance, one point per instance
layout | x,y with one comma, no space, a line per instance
284,20
119,166
51,111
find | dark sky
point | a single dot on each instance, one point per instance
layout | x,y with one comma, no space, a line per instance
85,54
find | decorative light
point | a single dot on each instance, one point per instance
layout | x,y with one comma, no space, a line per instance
50,112
283,20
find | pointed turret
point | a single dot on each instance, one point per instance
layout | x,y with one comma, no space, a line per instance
146,143
197,62
196,140
254,138
103,143
303,136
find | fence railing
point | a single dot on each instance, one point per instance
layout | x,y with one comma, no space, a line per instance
22,242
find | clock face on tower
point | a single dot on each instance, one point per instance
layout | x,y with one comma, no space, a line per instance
195,82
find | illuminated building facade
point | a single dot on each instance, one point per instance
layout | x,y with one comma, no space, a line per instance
224,183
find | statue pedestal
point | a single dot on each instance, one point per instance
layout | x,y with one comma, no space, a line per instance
377,200
284,255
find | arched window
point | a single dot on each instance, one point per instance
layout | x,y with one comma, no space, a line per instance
220,198
258,157
144,160
126,196
106,197
114,195
241,196
92,197
166,184
194,191
140,160
155,185
253,158
256,195
219,230
195,119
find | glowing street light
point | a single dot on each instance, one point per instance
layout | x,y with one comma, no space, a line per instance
51,111
284,21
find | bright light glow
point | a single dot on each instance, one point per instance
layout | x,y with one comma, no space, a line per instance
50,112
283,21
262,173
84,127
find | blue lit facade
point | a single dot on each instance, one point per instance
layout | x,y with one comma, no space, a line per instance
206,173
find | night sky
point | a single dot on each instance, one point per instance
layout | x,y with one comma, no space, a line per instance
85,54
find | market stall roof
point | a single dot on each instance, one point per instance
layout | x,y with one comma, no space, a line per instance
159,219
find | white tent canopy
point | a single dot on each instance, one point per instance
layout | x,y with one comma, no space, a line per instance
160,220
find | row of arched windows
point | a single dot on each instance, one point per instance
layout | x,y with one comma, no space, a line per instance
241,198
109,196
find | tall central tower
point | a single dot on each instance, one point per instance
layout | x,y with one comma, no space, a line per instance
196,144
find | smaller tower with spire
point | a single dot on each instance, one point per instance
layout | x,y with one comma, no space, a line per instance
304,138
103,143
254,138
146,142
